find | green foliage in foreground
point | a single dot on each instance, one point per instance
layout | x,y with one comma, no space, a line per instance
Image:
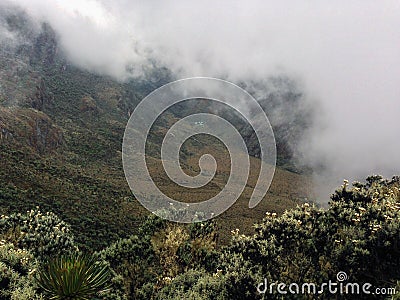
17,268
44,234
358,234
74,276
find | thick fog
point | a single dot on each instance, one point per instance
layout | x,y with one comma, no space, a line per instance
344,54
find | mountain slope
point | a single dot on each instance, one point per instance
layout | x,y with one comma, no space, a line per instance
61,132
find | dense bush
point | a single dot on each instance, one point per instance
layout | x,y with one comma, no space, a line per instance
44,234
17,268
161,251
359,233
195,284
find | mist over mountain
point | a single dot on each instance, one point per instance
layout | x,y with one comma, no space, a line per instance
35,48
61,129
71,75
346,70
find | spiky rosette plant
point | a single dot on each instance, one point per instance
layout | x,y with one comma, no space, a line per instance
74,277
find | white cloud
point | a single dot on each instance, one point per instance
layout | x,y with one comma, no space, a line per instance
346,54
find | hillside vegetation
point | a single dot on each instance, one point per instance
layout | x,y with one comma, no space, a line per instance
358,234
61,132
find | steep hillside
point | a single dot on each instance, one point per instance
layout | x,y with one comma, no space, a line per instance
61,132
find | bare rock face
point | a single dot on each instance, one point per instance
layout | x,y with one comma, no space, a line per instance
45,46
44,135
25,49
29,128
38,97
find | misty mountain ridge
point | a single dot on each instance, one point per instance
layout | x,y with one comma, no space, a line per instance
40,56
73,72
61,133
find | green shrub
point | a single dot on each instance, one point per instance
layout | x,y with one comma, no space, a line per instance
132,262
44,234
17,268
194,284
74,276
161,250
358,234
